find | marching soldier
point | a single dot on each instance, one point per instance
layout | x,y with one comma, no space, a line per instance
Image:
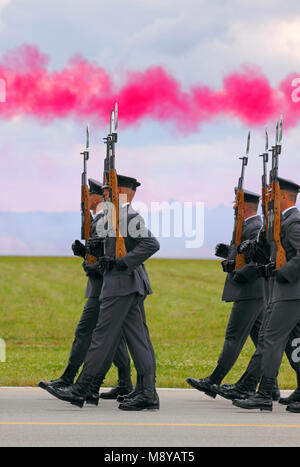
88,320
283,308
245,290
125,286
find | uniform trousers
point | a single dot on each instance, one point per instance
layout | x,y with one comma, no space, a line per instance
245,319
118,317
282,326
83,337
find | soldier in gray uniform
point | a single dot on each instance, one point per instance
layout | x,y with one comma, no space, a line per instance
245,289
283,308
125,286
89,318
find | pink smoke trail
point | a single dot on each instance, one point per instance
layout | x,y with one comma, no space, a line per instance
83,90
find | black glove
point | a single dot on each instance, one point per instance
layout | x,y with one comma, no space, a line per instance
78,249
239,277
222,250
94,246
269,269
228,265
120,264
106,263
261,271
91,270
261,238
279,276
244,247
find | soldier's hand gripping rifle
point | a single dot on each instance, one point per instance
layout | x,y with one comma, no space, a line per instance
85,211
239,210
110,184
274,223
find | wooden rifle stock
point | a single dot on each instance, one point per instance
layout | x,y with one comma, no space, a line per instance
120,242
239,206
274,214
110,180
264,205
86,221
280,252
85,212
239,211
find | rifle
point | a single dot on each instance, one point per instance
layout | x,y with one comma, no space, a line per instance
265,189
85,212
110,183
239,210
274,224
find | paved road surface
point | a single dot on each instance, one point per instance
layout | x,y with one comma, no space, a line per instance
32,417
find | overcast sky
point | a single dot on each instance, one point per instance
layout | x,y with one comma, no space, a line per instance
196,42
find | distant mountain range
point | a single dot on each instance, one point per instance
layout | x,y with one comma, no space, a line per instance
52,233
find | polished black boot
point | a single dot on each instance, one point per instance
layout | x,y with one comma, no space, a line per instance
66,379
243,389
124,386
276,392
207,385
294,407
135,392
93,395
294,397
146,399
261,400
75,394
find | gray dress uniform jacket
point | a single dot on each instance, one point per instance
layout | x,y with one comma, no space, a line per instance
290,238
254,287
140,245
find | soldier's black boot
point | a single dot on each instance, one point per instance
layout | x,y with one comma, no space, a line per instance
243,389
293,407
276,392
66,379
147,398
135,392
207,385
123,387
261,400
75,394
93,394
294,397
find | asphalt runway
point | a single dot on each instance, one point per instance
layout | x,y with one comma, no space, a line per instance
187,418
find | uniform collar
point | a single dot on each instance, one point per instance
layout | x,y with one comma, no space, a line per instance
287,212
251,217
99,214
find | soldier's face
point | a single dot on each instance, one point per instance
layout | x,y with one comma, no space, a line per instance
94,200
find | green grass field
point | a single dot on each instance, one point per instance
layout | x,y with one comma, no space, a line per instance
41,303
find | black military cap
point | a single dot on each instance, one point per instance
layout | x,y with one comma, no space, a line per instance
128,182
250,197
288,185
95,187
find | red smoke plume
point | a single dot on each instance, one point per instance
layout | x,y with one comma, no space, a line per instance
83,90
